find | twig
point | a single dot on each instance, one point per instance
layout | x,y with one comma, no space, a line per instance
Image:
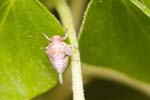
67,20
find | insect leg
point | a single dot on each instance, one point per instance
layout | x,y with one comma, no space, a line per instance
68,50
46,47
66,35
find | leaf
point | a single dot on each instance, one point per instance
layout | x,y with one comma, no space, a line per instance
146,2
115,37
144,5
108,91
111,91
25,70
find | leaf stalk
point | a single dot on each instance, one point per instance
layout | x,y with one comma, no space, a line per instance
67,21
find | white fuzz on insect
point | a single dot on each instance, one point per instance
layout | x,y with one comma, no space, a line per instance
58,53
60,78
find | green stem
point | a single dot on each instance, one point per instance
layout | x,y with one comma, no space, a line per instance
67,21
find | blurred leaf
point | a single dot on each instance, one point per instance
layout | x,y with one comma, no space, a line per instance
146,2
116,35
77,8
97,89
144,5
111,91
25,70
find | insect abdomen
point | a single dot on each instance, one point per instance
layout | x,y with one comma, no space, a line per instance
57,58
58,64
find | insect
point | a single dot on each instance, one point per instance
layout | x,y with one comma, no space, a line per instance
58,52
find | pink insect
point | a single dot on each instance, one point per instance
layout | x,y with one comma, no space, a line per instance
58,53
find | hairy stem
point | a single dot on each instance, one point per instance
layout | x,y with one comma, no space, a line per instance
67,21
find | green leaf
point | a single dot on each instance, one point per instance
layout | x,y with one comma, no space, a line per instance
111,91
25,70
115,36
144,5
145,2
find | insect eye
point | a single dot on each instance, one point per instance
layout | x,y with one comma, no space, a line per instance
59,39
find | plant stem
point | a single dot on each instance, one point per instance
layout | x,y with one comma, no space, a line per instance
67,21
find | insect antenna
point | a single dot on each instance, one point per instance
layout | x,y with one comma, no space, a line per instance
46,36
